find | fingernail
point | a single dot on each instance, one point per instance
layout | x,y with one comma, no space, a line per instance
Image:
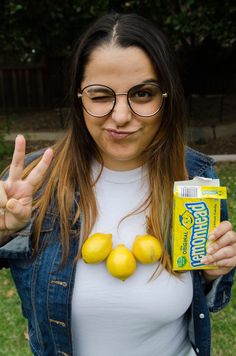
211,237
10,205
204,260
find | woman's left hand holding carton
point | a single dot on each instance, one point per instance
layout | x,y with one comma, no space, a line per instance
16,194
222,252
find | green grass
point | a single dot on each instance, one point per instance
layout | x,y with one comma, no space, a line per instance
224,329
5,154
13,327
227,174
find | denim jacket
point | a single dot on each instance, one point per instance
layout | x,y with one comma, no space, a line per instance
45,288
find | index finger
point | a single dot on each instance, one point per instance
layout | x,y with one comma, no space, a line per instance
17,163
38,172
3,196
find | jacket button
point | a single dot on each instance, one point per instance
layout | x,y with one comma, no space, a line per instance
201,316
197,350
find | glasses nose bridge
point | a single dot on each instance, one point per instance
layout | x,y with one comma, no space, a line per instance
122,106
121,94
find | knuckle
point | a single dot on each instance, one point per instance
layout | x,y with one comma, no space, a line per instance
211,258
232,236
227,252
229,263
228,225
225,263
217,245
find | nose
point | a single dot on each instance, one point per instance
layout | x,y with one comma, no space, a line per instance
121,113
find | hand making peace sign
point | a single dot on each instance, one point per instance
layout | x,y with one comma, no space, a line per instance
15,193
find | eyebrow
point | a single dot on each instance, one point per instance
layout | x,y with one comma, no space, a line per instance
146,81
97,88
149,81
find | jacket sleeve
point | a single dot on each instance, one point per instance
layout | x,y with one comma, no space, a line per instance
219,292
19,244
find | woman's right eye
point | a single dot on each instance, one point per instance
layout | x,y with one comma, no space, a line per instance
101,97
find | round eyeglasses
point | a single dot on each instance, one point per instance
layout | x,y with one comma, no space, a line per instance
144,99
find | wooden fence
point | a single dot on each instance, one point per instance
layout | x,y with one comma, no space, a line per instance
23,88
214,108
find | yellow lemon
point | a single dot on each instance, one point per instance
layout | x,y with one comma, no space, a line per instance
121,262
97,247
147,249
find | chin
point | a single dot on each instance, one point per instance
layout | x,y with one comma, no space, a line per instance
121,162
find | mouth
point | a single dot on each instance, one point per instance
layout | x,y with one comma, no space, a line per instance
116,134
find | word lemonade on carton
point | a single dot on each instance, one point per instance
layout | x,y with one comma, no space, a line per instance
196,213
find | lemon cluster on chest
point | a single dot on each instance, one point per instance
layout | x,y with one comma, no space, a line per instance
120,261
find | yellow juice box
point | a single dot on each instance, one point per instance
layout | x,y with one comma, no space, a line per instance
196,212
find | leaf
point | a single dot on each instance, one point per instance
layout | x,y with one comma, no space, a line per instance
10,293
6,282
26,335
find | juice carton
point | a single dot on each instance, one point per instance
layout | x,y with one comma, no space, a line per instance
196,213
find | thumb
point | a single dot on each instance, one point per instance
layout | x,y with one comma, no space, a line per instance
14,207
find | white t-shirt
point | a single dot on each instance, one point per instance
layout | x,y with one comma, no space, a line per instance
134,317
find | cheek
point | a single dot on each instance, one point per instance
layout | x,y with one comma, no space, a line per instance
89,123
93,125
153,127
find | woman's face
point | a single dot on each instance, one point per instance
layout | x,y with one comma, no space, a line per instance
121,136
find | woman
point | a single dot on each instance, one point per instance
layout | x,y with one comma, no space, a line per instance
113,172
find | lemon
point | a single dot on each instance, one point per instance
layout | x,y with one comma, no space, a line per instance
97,247
121,262
147,249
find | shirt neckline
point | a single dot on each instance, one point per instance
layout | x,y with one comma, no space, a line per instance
120,177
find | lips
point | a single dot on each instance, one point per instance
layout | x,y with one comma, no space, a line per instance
119,134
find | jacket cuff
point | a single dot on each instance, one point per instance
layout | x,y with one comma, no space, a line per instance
19,245
211,293
219,295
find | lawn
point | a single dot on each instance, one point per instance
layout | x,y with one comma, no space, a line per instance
13,328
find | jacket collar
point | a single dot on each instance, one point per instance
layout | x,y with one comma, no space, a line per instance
197,163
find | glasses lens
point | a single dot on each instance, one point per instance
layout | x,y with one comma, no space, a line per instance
98,100
145,99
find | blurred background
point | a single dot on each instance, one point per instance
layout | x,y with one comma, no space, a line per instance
37,38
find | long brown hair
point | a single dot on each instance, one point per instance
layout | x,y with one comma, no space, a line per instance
70,169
